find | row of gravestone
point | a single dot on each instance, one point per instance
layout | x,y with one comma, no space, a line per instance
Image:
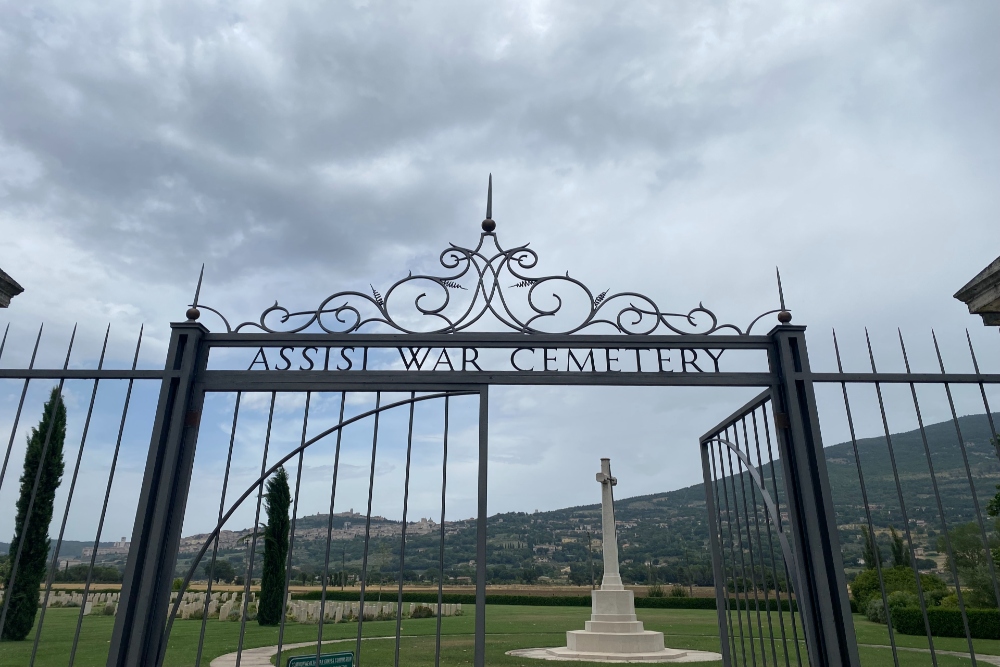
336,612
106,603
195,596
309,612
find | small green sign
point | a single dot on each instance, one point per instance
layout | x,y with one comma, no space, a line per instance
345,659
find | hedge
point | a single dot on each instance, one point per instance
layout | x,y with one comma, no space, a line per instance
539,600
983,623
902,578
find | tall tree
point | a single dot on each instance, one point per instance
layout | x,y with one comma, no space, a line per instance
43,460
222,571
277,500
871,552
993,505
900,555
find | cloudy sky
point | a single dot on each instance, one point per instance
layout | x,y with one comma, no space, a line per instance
682,150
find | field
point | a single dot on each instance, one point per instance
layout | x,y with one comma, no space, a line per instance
508,627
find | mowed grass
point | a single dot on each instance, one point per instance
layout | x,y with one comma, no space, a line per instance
508,627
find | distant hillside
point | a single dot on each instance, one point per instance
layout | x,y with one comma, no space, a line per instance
669,530
69,548
666,530
681,512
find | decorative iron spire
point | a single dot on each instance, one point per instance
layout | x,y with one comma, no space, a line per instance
489,224
783,315
193,313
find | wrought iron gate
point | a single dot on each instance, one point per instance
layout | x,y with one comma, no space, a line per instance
779,572
756,519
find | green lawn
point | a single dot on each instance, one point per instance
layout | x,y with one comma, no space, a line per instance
508,627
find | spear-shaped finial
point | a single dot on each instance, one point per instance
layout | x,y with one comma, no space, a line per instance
193,313
783,316
489,224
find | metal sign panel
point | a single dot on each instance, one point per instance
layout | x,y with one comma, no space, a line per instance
342,659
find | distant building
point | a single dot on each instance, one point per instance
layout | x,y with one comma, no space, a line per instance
119,548
8,289
982,294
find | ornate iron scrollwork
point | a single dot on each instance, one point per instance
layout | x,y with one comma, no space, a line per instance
498,283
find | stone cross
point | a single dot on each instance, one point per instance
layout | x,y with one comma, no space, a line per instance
612,580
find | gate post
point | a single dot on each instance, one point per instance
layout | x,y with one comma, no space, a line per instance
822,595
145,594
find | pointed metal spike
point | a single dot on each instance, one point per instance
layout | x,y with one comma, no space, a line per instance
972,352
138,344
836,350
70,349
489,199
871,352
3,343
781,293
902,347
104,348
197,290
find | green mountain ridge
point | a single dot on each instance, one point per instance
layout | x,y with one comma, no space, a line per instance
665,535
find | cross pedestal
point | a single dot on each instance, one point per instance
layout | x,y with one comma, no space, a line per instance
613,632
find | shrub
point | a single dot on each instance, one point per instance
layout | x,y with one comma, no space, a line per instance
934,597
902,600
655,591
422,612
950,601
875,610
678,591
101,574
178,582
979,581
865,586
109,609
197,614
945,622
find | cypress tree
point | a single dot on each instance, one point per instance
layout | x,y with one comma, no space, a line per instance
900,555
871,552
277,500
23,604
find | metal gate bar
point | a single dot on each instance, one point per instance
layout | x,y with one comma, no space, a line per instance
291,534
329,528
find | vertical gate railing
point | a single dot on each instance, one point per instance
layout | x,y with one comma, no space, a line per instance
752,465
755,572
144,621
99,384
268,468
911,458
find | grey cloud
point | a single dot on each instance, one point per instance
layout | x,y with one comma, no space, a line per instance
682,150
